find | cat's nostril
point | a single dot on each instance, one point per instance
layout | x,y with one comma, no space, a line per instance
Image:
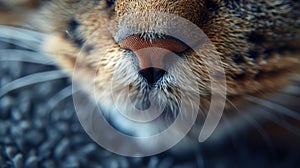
152,75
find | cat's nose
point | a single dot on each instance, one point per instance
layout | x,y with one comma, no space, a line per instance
152,75
152,55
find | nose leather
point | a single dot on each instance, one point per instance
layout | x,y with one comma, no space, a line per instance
151,53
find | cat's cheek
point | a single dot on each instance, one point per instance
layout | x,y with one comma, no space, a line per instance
62,51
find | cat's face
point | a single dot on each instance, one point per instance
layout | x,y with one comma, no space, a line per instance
96,41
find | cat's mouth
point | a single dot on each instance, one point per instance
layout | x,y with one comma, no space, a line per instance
158,73
155,98
172,89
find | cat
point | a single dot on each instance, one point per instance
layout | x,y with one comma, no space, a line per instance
142,57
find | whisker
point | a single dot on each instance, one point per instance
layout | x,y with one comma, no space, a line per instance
292,90
280,109
295,78
20,33
232,135
60,96
21,37
283,123
24,56
254,123
32,79
273,106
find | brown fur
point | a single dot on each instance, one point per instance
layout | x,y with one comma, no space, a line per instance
264,73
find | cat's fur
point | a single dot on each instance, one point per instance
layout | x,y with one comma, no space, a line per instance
257,42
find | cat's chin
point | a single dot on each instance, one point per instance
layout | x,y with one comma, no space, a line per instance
144,112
